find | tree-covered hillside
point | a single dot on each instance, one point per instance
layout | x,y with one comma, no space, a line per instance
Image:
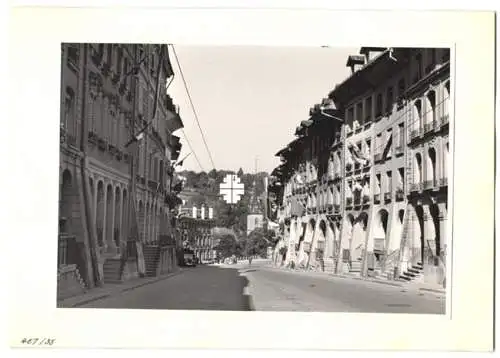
206,187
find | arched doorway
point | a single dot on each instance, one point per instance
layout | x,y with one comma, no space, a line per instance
65,202
380,236
431,166
100,213
417,177
358,236
118,205
430,110
434,211
109,215
418,236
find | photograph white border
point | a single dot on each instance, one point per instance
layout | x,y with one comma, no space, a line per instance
34,74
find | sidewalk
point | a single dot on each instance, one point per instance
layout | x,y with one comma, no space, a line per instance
112,289
417,286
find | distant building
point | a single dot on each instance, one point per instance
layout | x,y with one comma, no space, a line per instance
255,217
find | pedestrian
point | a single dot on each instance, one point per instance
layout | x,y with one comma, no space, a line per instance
250,261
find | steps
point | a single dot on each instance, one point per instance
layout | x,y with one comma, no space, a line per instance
69,282
356,265
112,270
413,273
152,259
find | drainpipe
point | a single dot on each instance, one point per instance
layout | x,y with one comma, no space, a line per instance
91,244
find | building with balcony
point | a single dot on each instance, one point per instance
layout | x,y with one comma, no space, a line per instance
115,158
427,103
383,165
310,190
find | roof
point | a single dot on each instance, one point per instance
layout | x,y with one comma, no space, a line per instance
371,75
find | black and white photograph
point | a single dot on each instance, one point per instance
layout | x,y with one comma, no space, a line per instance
349,215
211,187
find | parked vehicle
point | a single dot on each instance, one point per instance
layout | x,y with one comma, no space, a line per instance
189,258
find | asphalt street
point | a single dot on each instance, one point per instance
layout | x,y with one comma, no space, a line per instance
261,288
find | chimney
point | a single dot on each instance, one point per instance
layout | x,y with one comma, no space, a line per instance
194,212
210,213
202,213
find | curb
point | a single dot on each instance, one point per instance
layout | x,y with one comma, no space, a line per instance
433,290
119,291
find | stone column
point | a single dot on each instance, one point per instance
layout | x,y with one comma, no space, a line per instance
111,242
105,210
94,209
429,235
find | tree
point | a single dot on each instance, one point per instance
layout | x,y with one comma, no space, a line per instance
257,242
226,246
240,172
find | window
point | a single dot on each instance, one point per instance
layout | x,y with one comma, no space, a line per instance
378,144
69,110
418,73
368,148
389,100
401,174
388,184
401,134
359,113
368,109
73,57
401,87
350,119
378,109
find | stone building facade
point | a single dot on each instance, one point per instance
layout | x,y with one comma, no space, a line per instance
392,163
112,184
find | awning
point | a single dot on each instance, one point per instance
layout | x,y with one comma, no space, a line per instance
173,123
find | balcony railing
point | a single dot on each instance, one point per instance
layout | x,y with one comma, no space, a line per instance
414,134
376,198
445,119
366,199
399,149
443,182
348,201
416,187
387,196
336,208
428,127
429,184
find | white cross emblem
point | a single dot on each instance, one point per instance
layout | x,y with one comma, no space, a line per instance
231,189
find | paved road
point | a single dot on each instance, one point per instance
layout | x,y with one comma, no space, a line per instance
226,288
278,290
201,287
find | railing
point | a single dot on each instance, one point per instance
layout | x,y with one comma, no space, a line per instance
399,149
416,187
390,260
376,198
436,124
428,127
400,195
414,134
387,197
366,199
336,208
348,201
443,182
429,184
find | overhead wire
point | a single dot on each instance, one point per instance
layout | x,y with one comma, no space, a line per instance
193,107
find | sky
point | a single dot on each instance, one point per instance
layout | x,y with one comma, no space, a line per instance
249,100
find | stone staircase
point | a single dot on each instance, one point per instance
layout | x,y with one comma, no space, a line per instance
113,270
69,282
152,259
414,273
356,265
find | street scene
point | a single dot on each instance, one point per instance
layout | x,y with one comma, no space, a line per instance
259,287
219,178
